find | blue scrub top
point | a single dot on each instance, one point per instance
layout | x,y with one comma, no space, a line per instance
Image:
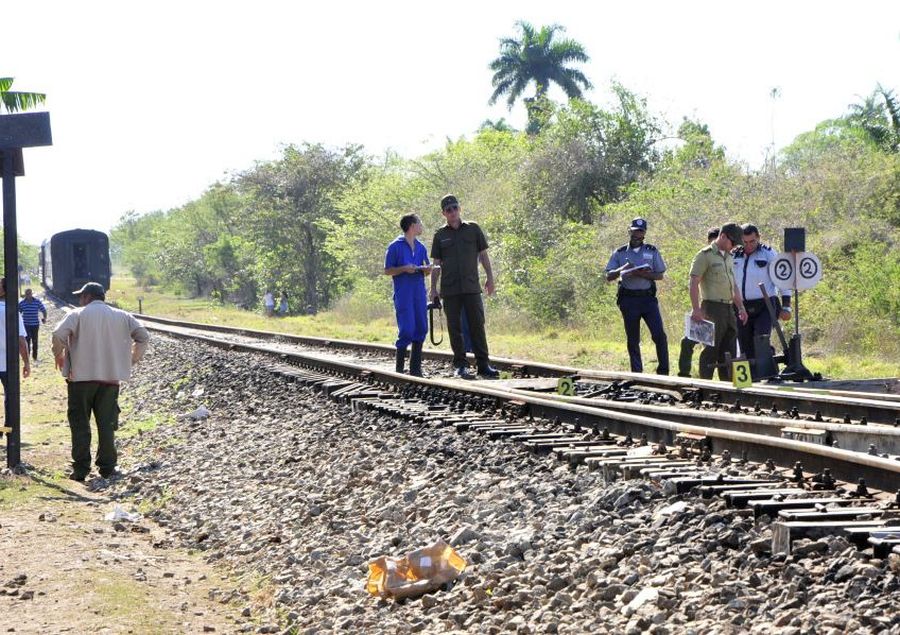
398,254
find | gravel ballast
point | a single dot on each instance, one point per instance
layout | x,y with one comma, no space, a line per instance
296,493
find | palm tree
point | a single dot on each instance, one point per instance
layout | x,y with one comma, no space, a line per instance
536,56
14,101
879,117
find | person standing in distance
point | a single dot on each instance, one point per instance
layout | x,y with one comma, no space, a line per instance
637,266
457,248
95,347
687,345
269,303
712,281
751,267
30,307
406,261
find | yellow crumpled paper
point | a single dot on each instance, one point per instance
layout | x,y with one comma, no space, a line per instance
416,573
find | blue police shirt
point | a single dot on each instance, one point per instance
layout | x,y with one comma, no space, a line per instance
750,270
645,254
398,254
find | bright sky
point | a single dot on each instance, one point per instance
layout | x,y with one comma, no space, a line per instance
151,102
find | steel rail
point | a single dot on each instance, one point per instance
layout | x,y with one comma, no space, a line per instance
849,437
844,464
874,410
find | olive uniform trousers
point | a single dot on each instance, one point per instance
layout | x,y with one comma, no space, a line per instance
722,315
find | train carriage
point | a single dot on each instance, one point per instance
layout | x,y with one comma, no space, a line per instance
71,258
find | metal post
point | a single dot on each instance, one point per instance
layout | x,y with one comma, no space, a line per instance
10,266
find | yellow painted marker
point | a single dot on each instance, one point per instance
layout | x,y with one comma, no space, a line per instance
740,374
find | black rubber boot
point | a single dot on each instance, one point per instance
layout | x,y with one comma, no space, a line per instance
415,359
401,359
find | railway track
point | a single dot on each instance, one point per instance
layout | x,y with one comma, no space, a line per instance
813,476
867,452
784,402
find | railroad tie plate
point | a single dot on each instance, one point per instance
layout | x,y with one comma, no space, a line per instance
741,498
628,465
809,435
883,544
684,485
831,513
462,426
590,456
666,476
639,471
585,445
540,443
501,433
857,531
708,491
770,506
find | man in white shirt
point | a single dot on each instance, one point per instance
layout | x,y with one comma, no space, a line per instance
23,346
751,267
95,347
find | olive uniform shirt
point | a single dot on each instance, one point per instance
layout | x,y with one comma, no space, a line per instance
458,250
716,273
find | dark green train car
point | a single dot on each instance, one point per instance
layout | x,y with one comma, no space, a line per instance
71,258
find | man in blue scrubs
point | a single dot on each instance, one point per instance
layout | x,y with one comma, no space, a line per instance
407,262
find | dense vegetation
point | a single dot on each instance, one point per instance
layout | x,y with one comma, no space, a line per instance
554,201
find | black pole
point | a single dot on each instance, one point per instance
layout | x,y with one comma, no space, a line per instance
10,265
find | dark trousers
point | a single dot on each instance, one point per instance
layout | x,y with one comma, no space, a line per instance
759,322
472,304
86,397
635,309
722,315
31,337
685,356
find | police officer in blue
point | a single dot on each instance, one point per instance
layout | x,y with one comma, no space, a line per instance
638,266
751,266
406,260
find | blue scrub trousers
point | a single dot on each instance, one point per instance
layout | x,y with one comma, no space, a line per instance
412,315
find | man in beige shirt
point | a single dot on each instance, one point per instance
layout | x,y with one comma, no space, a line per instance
95,346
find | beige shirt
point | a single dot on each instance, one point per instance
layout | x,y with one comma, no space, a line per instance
97,340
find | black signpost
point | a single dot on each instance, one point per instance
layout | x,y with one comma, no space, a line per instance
24,130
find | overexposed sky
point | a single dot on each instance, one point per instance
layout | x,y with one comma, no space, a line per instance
151,102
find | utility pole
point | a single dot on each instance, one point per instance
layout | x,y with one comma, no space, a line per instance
17,131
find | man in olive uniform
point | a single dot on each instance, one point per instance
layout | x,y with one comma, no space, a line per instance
687,345
637,266
712,279
457,249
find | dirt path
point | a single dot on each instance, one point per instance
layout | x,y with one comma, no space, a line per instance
65,569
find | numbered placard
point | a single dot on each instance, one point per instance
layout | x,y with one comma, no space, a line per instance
800,271
566,386
809,270
740,374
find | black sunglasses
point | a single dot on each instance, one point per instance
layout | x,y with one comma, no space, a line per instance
451,208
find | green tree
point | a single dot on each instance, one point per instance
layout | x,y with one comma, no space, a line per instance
290,200
586,158
14,101
879,116
537,56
